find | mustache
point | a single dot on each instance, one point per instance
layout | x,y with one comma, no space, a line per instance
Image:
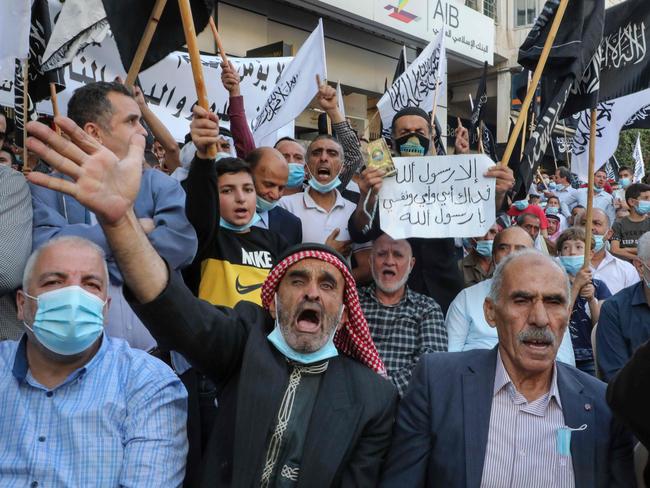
545,336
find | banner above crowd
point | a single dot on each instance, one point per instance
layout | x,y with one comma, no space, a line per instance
168,84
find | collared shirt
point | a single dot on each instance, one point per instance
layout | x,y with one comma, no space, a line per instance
616,273
521,449
403,332
263,222
117,421
472,270
467,328
318,223
602,200
623,325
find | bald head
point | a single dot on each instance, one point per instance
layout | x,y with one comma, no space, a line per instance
270,172
292,151
510,240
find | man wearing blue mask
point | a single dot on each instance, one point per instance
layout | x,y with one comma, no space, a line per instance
270,174
602,199
626,232
563,190
614,272
294,154
477,265
81,408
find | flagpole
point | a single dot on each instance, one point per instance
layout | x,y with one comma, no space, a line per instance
525,125
195,61
217,40
479,130
145,41
435,106
26,168
55,105
537,75
566,146
590,188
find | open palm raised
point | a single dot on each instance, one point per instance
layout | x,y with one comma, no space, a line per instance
101,182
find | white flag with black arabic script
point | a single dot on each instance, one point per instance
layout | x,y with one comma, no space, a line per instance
639,166
14,34
295,89
416,87
611,117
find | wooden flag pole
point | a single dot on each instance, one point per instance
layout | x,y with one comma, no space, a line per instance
145,41
217,40
435,105
566,146
537,75
195,61
590,188
55,105
26,168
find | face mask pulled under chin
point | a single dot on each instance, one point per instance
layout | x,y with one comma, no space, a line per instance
412,144
327,350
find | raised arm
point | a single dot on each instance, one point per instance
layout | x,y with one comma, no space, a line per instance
241,132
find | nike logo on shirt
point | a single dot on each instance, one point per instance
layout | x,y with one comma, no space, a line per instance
244,289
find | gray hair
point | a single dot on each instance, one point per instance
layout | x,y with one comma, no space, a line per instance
72,241
643,247
497,279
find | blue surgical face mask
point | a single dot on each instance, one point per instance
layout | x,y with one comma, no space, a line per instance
625,182
597,190
521,204
264,205
484,248
324,187
552,185
327,351
572,264
552,210
239,228
296,175
643,207
68,320
599,242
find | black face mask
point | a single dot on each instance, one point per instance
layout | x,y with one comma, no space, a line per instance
412,144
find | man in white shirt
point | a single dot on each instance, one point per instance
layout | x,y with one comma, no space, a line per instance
563,190
602,199
614,272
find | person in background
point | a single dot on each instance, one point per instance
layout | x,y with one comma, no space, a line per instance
554,207
404,324
586,295
493,418
522,207
625,318
576,215
7,159
465,322
625,179
563,190
614,272
602,199
477,265
294,153
109,113
554,232
98,412
626,232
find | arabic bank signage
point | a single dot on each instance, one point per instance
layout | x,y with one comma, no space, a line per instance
468,33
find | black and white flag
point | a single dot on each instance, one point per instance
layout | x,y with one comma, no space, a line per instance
480,101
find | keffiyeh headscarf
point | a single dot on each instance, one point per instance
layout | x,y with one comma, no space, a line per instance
353,339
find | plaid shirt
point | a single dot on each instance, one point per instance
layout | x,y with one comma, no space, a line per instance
404,332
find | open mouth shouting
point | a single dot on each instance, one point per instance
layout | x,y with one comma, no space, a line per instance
323,173
242,214
308,319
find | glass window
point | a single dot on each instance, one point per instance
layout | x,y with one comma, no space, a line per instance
525,12
490,8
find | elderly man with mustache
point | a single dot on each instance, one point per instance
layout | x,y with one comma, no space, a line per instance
511,416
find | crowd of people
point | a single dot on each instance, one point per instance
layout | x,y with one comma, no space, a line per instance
221,314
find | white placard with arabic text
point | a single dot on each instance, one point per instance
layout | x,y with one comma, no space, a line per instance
438,196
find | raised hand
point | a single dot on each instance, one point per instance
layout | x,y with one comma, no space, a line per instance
328,101
204,130
230,79
101,182
461,144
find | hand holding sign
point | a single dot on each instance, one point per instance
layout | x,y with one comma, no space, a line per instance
438,196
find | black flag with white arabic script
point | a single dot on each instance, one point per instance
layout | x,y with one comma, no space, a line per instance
479,102
128,19
574,48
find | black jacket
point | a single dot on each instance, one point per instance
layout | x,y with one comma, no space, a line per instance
351,424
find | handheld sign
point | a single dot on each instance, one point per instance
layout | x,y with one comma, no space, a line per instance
438,196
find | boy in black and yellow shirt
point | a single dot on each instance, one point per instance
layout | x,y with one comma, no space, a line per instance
234,255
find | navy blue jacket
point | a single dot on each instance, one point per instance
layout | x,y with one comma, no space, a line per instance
286,224
442,426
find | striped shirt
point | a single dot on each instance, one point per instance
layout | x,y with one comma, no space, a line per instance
521,448
117,421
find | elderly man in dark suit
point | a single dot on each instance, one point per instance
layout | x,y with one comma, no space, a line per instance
301,402
511,416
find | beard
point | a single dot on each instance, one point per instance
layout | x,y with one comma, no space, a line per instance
392,288
303,342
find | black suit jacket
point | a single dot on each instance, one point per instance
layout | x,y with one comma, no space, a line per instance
350,427
286,224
